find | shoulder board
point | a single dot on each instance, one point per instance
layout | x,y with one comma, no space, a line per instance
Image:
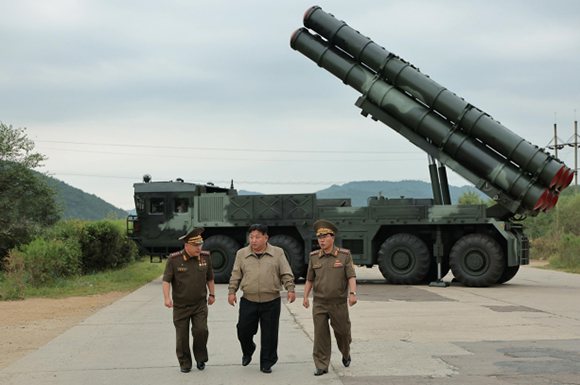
205,253
314,253
344,251
176,254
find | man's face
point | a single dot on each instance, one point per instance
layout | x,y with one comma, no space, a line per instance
193,250
326,241
258,241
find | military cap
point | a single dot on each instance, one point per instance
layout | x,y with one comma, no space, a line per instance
323,227
193,237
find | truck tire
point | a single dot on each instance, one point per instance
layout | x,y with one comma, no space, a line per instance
477,260
404,259
294,253
223,251
508,273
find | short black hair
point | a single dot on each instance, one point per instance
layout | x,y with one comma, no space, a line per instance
259,227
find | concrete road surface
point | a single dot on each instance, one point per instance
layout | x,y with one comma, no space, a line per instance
524,332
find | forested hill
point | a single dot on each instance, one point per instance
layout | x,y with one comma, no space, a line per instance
80,205
359,192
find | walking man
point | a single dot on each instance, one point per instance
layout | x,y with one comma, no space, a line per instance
258,271
330,274
189,272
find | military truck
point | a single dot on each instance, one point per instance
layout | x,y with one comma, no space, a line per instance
411,240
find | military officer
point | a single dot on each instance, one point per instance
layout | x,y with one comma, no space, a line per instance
330,273
189,272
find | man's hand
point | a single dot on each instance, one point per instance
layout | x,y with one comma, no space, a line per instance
168,303
291,296
210,300
352,300
232,299
306,303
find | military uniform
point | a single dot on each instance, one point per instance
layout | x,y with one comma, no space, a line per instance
330,273
188,277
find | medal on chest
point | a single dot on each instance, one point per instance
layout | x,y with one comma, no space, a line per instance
202,262
337,263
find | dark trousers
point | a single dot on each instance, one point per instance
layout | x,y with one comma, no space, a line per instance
337,314
197,316
267,314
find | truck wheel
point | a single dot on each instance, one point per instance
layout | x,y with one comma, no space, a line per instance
508,273
223,251
404,259
477,260
294,253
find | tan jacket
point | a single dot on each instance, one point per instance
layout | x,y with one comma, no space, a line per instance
259,278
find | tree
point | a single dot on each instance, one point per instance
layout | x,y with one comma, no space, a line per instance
473,198
27,202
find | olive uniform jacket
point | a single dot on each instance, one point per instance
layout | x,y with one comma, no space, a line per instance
188,277
330,273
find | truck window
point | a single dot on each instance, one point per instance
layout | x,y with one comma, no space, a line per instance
156,206
181,205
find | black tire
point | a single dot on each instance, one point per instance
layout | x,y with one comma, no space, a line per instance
294,253
432,274
223,251
477,260
508,273
404,259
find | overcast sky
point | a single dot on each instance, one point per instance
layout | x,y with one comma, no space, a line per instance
212,91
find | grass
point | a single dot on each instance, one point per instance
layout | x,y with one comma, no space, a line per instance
559,267
128,278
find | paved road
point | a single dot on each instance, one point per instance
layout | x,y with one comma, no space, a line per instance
523,332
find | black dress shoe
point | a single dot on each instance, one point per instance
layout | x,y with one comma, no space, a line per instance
346,362
266,370
319,372
185,370
201,365
246,360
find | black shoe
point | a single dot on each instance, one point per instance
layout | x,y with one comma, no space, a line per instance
319,372
185,370
346,362
266,370
201,365
246,360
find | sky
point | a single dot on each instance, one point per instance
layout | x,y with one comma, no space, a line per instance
210,91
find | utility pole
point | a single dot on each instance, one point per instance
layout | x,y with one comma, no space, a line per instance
576,156
556,155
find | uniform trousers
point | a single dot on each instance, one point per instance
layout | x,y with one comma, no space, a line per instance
197,316
267,315
337,313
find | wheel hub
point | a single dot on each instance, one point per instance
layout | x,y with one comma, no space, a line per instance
218,260
475,261
402,260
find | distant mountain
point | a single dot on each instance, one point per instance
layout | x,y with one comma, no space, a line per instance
80,205
359,192
246,192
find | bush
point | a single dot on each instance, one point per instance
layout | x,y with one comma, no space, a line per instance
104,247
544,248
568,256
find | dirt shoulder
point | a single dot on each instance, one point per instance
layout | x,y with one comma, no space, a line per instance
29,324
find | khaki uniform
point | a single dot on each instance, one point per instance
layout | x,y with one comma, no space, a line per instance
330,273
260,280
188,277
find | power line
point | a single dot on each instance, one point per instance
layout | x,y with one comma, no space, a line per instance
253,150
235,159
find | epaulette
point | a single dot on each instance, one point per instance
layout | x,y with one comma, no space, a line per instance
343,251
205,253
314,253
176,254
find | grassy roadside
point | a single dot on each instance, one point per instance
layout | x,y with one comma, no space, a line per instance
128,278
559,267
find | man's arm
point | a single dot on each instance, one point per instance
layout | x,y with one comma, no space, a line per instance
235,280
307,287
168,301
352,298
287,277
211,288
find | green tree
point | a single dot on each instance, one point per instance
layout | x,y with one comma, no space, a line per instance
27,202
473,198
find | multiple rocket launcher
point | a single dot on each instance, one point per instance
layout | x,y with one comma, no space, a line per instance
515,167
